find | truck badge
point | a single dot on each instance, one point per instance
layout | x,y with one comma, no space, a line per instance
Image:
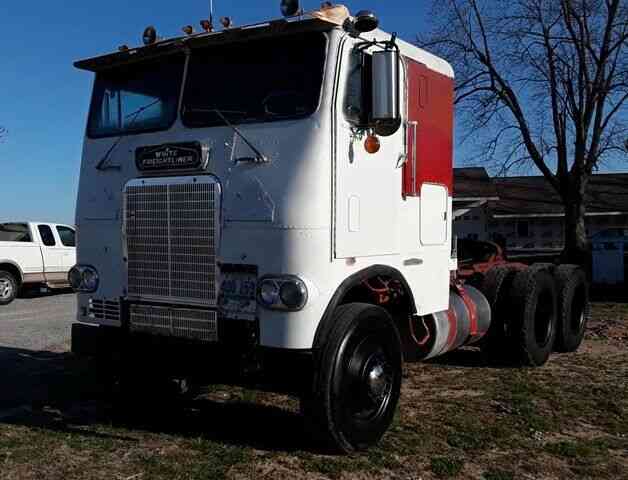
173,156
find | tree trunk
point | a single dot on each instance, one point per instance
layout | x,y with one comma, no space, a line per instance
576,248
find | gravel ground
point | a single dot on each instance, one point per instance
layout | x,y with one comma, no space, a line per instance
41,322
34,341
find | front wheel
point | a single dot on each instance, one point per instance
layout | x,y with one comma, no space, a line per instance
8,288
357,379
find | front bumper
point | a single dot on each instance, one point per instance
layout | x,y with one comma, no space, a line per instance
236,359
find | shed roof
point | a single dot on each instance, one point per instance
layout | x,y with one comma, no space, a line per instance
534,196
473,183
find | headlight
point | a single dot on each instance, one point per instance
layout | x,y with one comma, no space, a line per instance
282,293
83,278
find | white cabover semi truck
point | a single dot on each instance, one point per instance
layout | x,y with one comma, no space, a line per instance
271,204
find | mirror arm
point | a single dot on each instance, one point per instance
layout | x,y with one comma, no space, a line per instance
386,44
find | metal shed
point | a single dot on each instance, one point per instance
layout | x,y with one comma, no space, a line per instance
609,256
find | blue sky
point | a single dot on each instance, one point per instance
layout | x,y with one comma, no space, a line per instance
43,99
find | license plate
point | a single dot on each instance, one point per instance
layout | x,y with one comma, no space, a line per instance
238,291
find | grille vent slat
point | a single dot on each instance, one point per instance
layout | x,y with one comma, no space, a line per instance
175,322
171,241
108,310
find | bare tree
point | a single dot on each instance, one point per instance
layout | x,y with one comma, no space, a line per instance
541,82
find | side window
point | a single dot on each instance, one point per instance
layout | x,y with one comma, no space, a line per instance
47,236
358,90
67,236
14,232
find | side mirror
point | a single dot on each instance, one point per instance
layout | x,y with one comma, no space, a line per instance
386,114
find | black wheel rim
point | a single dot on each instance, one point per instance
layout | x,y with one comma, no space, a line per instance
369,382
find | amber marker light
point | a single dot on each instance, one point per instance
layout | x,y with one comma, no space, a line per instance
371,144
207,25
188,29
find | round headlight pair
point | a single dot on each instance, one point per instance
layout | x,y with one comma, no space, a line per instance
83,278
282,293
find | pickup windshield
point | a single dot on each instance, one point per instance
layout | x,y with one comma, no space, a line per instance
263,81
136,98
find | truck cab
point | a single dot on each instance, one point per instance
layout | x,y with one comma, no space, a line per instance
272,203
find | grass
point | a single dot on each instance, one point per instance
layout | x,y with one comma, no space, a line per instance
458,419
446,467
497,474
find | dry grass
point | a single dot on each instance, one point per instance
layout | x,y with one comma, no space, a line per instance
458,419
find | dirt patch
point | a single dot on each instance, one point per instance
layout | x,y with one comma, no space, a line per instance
459,418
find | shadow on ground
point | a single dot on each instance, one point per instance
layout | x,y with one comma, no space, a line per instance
470,357
59,392
41,292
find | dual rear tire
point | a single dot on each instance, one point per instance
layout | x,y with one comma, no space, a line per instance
536,310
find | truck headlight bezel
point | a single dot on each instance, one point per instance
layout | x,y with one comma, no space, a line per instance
84,278
282,292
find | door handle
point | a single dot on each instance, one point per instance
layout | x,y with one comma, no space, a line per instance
412,261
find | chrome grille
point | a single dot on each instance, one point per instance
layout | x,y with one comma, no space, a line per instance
104,311
175,322
171,238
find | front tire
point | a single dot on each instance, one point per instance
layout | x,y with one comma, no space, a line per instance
357,379
8,288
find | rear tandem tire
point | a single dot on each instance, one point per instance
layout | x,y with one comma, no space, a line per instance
573,307
357,380
531,329
8,287
495,287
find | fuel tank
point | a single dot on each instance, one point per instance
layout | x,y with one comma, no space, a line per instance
465,322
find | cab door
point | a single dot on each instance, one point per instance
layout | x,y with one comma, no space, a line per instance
367,186
66,237
52,253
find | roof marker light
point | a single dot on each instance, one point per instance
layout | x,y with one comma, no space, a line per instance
149,36
227,22
289,8
366,21
207,26
188,30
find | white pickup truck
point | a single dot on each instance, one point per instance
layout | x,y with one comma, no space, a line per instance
34,253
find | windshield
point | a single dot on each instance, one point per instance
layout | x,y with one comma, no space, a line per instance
267,80
136,98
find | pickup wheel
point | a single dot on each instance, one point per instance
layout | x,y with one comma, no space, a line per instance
8,288
531,329
357,380
573,304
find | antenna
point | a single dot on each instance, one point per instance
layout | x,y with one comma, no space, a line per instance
211,12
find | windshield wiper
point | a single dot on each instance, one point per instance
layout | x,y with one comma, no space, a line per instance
135,114
259,156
